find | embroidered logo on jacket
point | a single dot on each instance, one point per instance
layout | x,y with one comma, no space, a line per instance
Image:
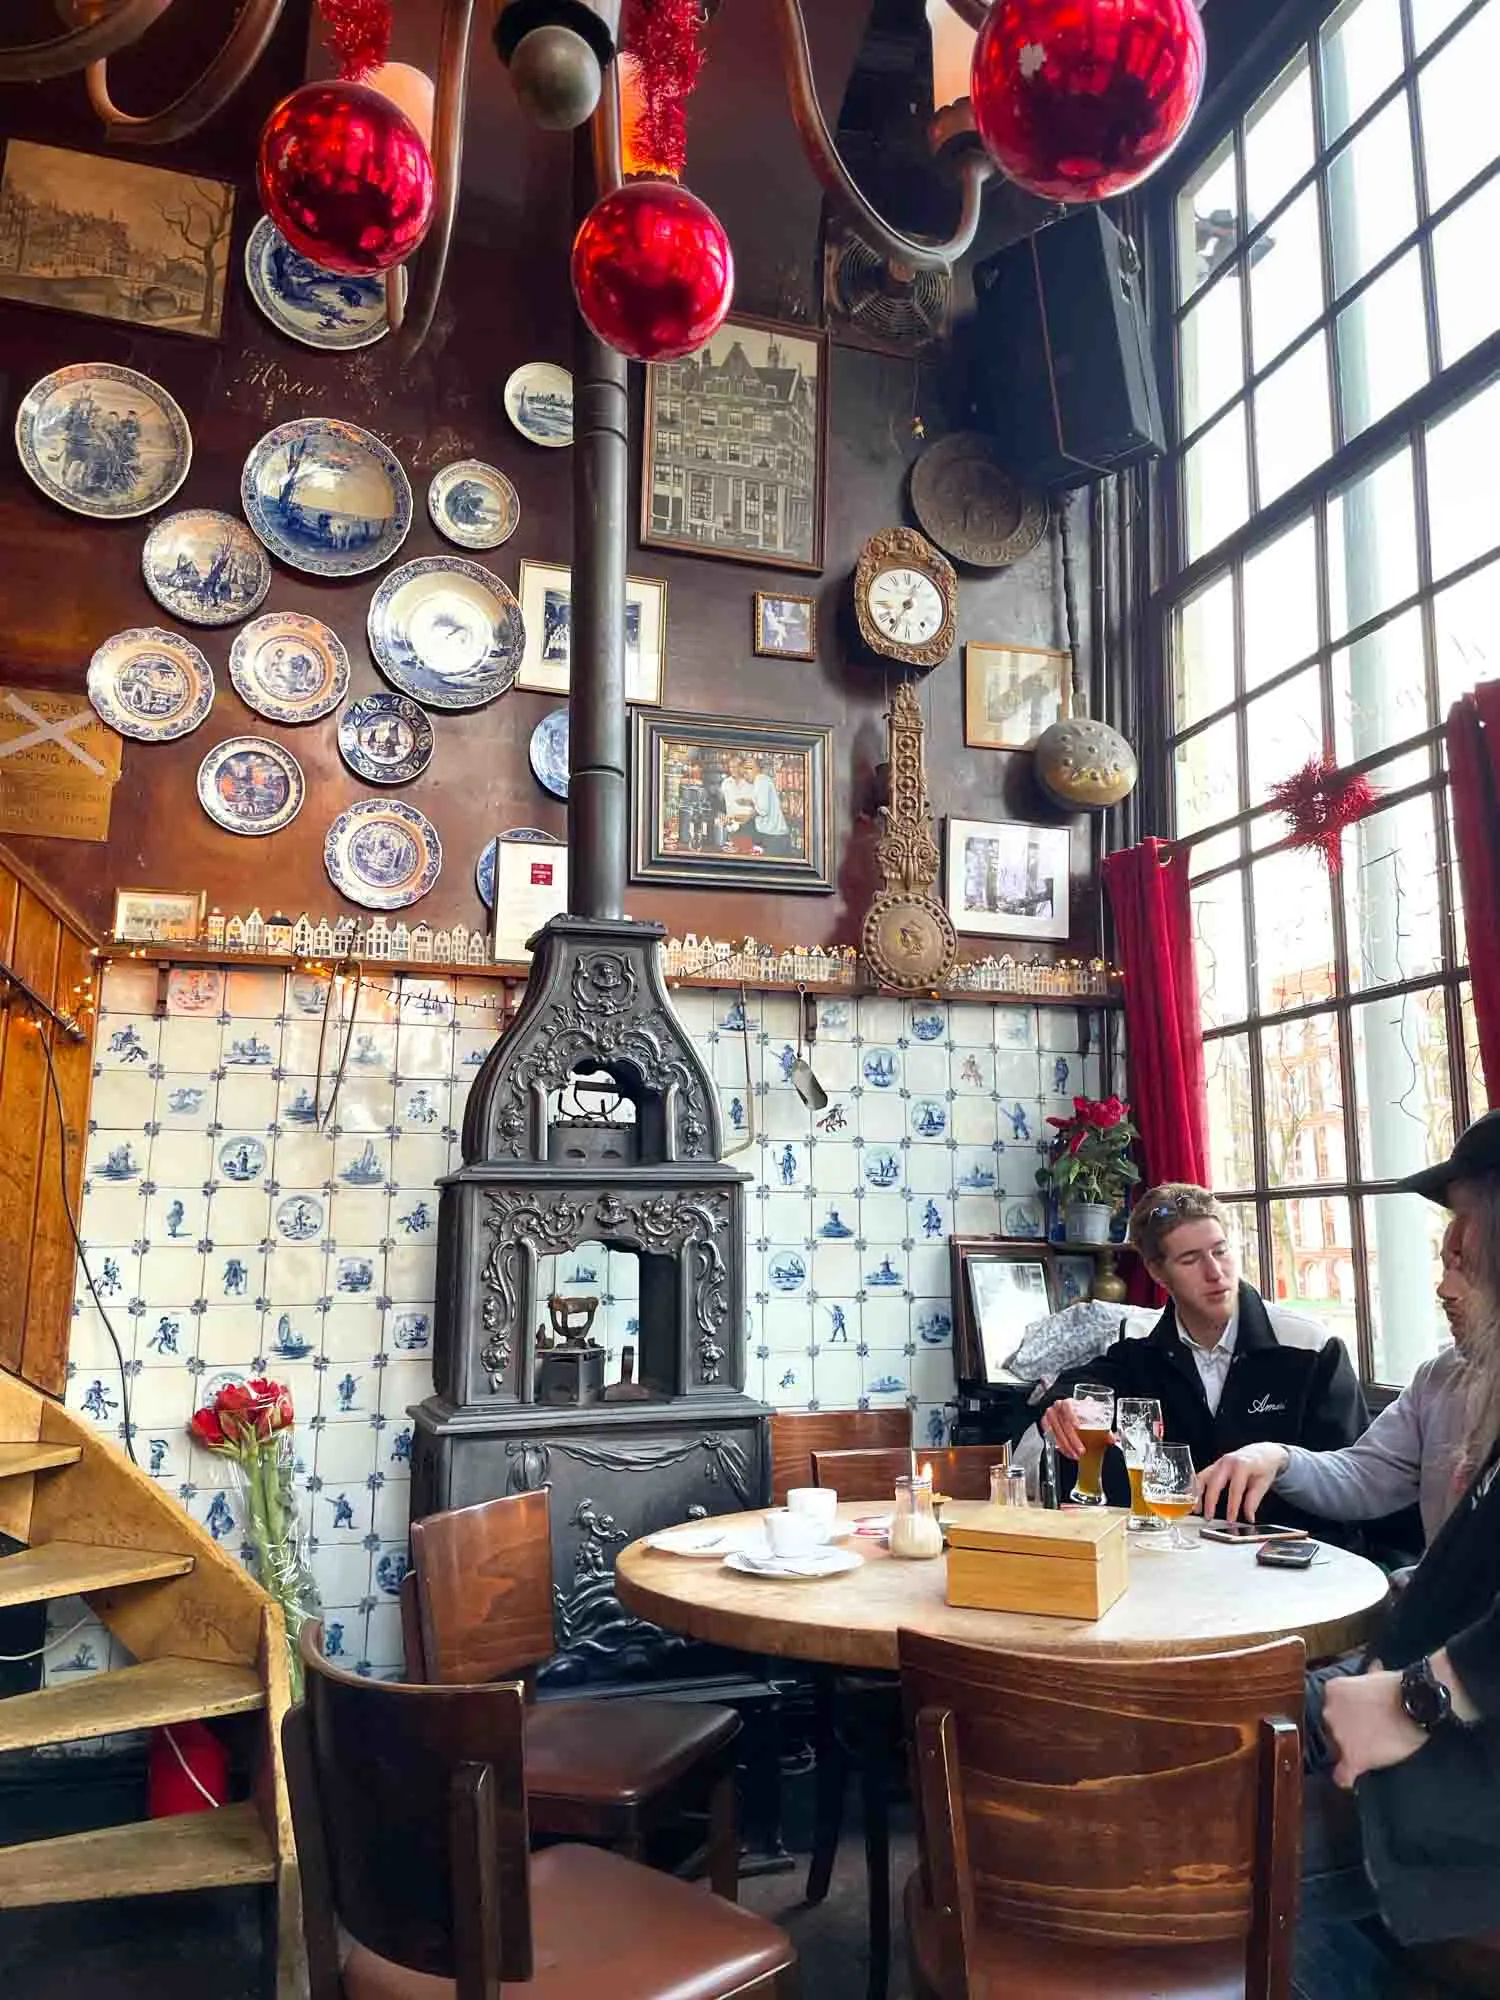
1264,1407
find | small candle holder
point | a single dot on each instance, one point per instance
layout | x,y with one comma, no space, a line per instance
915,1533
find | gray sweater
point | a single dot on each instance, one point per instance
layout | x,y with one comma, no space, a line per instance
1407,1454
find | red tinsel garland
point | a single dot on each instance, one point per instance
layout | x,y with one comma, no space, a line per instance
358,33
662,35
1319,801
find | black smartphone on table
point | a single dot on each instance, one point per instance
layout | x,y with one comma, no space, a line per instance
1287,1555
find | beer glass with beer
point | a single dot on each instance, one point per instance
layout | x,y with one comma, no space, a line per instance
1170,1490
1094,1412
1140,1425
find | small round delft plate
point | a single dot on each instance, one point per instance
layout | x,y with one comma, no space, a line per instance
484,867
539,402
385,738
205,567
473,504
549,753
382,854
320,308
447,632
150,684
327,497
248,784
103,440
289,667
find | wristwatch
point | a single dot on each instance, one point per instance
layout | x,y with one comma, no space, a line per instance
1426,1700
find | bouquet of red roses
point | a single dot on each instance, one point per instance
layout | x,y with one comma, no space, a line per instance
1089,1160
250,1423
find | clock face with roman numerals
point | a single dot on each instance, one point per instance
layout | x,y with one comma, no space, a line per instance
905,599
906,606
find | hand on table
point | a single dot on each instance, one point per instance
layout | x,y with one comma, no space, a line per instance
1245,1476
1060,1423
1368,1726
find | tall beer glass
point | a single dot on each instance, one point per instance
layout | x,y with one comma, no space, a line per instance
1094,1412
1140,1423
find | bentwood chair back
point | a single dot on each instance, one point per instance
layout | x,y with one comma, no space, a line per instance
797,1434
409,1808
1092,1826
962,1472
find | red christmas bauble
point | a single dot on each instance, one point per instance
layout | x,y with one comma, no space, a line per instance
653,272
346,177
1077,100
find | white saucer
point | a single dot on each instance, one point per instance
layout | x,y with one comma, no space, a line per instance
701,1544
795,1569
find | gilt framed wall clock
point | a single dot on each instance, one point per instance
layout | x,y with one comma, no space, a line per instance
905,599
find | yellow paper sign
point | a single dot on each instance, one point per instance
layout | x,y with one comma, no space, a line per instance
59,765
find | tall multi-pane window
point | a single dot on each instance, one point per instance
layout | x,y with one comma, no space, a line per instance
1333,504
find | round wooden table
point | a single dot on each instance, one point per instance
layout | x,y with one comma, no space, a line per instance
1212,1599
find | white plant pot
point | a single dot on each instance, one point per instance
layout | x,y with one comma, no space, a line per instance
1087,1221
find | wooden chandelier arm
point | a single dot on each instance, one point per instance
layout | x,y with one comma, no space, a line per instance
411,317
37,62
243,49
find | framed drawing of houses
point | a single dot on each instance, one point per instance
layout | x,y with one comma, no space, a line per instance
736,447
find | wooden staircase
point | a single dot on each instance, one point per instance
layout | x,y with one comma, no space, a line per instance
207,1641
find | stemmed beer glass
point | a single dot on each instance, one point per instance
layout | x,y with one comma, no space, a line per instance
1170,1489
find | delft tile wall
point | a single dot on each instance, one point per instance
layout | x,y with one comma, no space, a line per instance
228,1234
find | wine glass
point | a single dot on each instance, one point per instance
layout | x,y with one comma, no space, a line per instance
1094,1412
1169,1488
1139,1421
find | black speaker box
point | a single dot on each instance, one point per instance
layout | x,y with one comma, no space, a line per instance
1066,377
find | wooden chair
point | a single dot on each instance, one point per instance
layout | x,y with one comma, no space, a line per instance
476,1606
409,1808
1121,1827
797,1434
961,1472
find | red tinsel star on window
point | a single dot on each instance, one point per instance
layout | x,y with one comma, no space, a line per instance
1319,801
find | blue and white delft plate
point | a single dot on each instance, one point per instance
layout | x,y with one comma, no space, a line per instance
150,684
327,497
382,854
484,867
205,567
248,784
447,632
549,753
473,504
289,667
103,441
327,309
539,402
385,738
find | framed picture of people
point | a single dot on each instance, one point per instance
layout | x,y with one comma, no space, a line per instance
735,447
1007,879
1011,694
731,802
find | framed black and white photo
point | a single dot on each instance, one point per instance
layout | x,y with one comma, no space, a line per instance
999,1290
786,627
736,447
546,594
1006,879
1013,693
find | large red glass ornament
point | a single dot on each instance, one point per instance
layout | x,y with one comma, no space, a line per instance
346,177
1080,99
653,272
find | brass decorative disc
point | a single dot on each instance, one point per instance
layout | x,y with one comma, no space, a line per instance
908,941
971,506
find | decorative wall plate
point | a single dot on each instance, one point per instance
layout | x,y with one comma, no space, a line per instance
484,867
205,567
248,784
382,854
319,308
473,504
386,738
446,631
971,506
539,402
327,497
103,440
549,753
150,684
289,667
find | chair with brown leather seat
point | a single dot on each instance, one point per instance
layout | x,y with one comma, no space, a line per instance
1101,1826
959,1472
476,1606
797,1434
409,1809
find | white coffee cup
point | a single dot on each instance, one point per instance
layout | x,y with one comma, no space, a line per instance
793,1534
817,1503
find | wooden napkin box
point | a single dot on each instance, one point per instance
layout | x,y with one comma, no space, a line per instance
1060,1565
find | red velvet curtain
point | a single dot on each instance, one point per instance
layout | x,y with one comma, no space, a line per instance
1473,735
1148,888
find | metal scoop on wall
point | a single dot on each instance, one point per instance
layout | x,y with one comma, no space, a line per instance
803,1080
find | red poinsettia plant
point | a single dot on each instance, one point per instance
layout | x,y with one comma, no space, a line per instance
1089,1159
250,1423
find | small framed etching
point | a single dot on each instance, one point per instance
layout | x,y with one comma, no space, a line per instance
786,628
546,594
159,916
1013,693
1006,879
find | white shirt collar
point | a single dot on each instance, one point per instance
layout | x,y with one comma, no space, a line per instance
1222,1353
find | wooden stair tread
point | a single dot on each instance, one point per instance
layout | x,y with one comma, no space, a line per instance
140,1697
16,1459
68,1569
156,1857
